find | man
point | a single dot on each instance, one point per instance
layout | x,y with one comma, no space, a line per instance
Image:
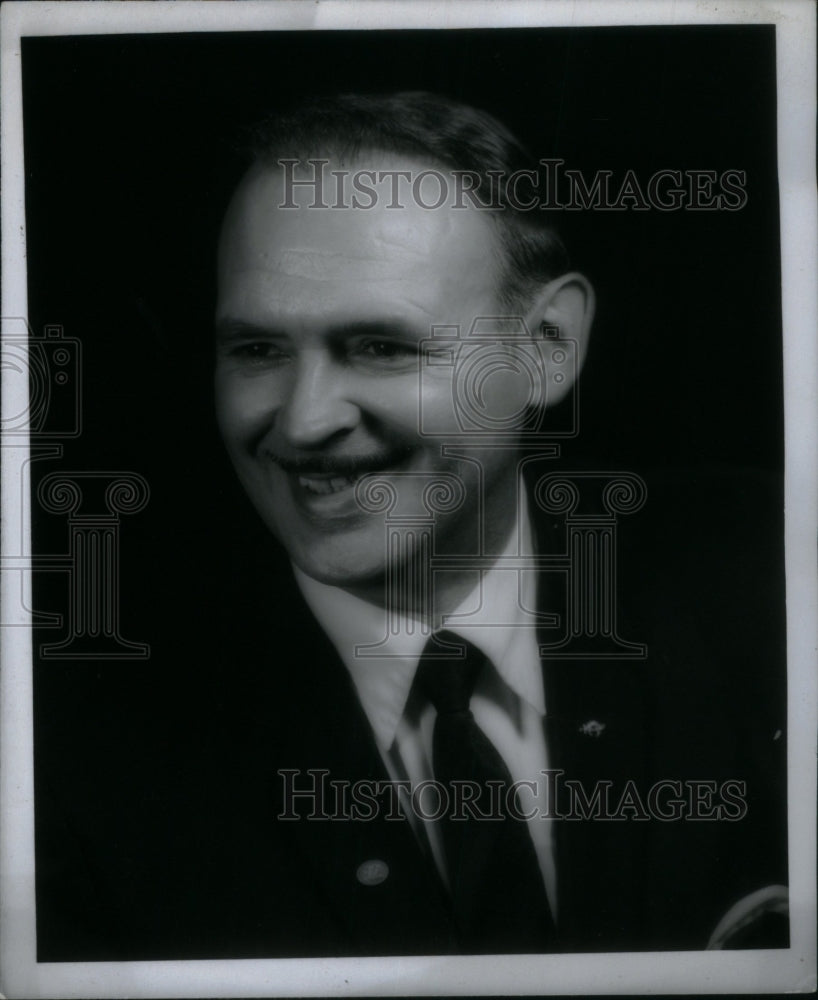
321,320
394,326
326,307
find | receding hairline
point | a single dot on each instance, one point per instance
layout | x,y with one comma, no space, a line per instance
271,165
446,134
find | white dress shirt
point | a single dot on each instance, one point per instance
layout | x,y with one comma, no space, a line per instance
499,617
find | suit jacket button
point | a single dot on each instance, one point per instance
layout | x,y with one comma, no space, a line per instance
372,872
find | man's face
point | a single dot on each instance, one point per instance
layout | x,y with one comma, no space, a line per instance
320,317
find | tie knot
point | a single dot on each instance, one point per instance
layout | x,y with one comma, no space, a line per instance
448,683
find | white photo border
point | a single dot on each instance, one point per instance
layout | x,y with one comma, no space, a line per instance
789,970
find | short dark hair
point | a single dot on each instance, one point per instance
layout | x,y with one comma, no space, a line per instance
435,127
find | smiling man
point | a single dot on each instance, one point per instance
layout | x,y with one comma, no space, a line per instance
401,721
326,353
321,318
419,744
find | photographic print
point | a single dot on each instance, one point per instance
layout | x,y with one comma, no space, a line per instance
408,505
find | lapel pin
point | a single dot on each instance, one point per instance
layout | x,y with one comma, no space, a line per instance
592,728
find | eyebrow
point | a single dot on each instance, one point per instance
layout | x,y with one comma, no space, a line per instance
387,327
230,330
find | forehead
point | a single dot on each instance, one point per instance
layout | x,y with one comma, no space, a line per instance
299,262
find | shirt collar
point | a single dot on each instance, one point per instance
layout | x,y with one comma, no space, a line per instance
383,671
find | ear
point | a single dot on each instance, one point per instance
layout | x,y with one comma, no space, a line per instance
563,313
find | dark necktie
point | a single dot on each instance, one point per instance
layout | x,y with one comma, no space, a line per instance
496,887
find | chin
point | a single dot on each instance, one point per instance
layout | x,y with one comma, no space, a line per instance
358,566
353,558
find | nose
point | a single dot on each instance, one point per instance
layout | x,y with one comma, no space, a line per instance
316,408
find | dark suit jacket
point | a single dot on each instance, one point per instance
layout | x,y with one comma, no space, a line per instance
158,792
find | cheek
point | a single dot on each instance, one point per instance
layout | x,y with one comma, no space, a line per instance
245,406
435,402
483,395
392,401
506,393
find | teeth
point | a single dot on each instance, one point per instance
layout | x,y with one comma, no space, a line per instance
324,486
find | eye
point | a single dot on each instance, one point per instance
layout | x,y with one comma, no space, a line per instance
387,349
258,352
385,352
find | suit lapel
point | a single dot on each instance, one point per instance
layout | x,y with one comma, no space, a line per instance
361,853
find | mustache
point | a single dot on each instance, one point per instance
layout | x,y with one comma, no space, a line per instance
338,465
